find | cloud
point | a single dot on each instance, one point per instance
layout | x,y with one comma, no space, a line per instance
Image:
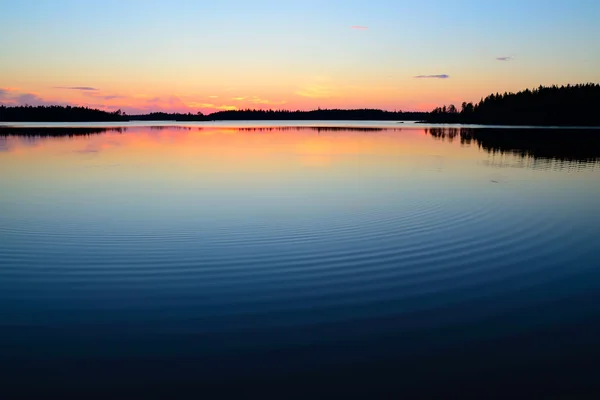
111,97
359,27
214,106
103,96
14,97
504,58
5,93
258,100
84,88
440,76
318,87
315,91
32,100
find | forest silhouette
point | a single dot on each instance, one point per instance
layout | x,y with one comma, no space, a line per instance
578,145
319,114
85,114
571,105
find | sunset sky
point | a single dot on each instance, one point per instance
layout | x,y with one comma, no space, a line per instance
191,56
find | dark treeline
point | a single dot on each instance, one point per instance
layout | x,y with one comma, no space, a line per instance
571,105
365,114
56,132
57,114
575,105
582,145
85,114
161,116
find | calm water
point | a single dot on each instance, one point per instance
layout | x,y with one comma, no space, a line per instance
301,261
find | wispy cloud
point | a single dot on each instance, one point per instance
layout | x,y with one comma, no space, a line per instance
111,97
15,97
97,95
440,76
319,87
223,107
7,92
504,58
315,91
258,100
359,27
84,88
32,99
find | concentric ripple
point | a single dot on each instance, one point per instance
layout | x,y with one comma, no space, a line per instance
445,257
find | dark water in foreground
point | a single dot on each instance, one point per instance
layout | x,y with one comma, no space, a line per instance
300,262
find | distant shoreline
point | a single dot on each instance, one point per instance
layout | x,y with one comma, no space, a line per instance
565,106
386,124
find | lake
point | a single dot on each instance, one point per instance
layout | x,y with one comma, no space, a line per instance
299,260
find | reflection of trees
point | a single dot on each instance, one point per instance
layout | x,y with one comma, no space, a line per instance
538,163
318,115
51,131
33,136
174,127
4,146
444,133
581,145
315,128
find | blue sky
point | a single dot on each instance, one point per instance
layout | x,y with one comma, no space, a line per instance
293,54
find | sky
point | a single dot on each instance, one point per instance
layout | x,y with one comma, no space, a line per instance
189,56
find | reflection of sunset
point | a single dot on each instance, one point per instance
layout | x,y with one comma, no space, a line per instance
194,143
240,156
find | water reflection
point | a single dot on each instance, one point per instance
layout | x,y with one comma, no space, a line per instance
317,129
570,149
574,145
207,256
4,144
58,131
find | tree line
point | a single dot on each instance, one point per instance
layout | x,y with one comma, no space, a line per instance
57,114
575,105
364,114
83,114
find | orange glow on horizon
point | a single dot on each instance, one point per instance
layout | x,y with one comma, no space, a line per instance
386,93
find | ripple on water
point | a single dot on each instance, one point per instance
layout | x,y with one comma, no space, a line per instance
371,256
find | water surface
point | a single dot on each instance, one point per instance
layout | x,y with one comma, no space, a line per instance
310,260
